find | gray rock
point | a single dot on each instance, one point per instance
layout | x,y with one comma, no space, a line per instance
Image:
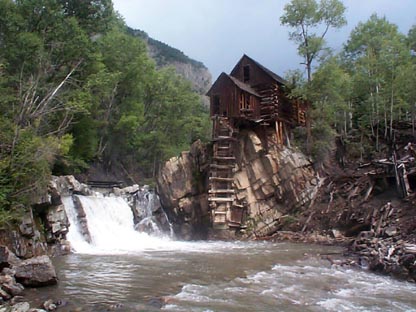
5,295
21,307
13,288
57,221
27,227
391,231
36,272
7,258
49,305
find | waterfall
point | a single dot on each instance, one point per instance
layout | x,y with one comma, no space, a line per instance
146,206
106,224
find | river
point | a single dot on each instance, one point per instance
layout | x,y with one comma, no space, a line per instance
146,273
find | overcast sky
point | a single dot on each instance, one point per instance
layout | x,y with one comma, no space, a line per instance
219,32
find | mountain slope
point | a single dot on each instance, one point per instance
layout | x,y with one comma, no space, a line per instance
165,55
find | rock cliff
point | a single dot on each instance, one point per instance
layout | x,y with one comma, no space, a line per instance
272,182
165,55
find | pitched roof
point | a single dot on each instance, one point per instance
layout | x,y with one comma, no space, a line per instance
271,74
238,83
243,86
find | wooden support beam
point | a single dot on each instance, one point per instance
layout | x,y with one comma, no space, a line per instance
221,179
223,167
224,158
223,191
221,199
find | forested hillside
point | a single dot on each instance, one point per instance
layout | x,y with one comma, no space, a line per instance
165,55
75,89
362,97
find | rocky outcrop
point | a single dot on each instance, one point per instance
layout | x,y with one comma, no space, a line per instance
199,75
165,55
182,192
44,225
36,272
272,182
25,240
14,273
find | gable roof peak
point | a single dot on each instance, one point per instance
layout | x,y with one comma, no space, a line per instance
267,71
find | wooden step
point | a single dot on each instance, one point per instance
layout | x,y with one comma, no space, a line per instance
223,138
221,199
224,158
221,179
221,191
215,166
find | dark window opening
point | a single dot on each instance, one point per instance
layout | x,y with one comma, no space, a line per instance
412,181
247,102
246,70
216,105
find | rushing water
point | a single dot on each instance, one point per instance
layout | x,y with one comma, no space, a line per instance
142,273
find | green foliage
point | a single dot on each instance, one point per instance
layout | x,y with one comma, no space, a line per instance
76,87
378,59
165,54
366,90
311,21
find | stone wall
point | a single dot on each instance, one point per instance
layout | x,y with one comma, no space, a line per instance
272,182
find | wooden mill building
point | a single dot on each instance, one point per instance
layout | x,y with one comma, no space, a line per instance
253,97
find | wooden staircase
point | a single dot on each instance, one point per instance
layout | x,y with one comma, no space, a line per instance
221,193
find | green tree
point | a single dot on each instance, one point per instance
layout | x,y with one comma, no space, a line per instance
311,21
375,54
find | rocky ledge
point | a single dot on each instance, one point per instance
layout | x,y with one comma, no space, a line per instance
15,274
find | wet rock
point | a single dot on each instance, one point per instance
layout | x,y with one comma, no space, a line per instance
49,305
17,299
36,272
5,295
68,185
21,307
13,288
57,221
82,218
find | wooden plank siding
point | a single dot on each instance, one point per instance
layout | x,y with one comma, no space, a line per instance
255,94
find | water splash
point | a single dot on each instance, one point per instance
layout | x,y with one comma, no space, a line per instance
149,215
110,225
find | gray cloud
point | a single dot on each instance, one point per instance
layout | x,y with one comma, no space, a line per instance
219,32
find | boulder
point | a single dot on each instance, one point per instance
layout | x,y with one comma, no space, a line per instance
68,185
13,288
7,258
35,272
